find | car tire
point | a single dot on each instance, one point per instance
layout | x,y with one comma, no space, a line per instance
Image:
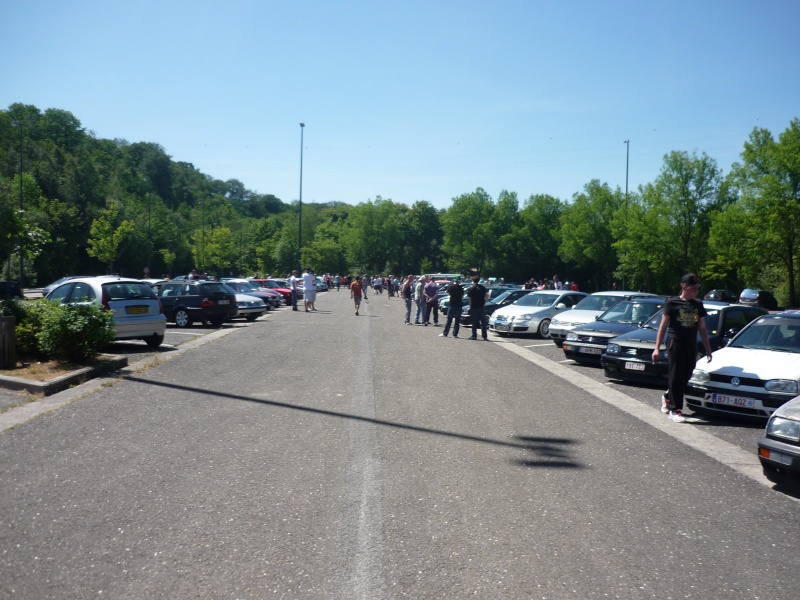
544,328
182,318
154,341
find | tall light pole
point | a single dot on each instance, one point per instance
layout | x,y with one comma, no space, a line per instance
627,158
21,207
300,206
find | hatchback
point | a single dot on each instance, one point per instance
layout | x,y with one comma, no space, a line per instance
137,312
200,300
761,298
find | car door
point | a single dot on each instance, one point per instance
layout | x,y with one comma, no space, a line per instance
169,297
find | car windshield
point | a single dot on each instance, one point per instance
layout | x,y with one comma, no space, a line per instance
537,300
598,302
629,311
268,284
779,334
499,299
242,288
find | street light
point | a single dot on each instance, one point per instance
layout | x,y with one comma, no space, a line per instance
300,206
21,208
627,157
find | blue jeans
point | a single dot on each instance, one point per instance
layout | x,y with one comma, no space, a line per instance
479,320
420,310
453,313
294,299
408,309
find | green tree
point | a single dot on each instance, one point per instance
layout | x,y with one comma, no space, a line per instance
468,232
108,236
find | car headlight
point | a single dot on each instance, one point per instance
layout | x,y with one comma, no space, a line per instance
572,336
527,317
787,386
784,428
699,377
612,348
554,322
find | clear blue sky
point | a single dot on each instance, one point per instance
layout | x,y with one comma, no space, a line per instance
412,100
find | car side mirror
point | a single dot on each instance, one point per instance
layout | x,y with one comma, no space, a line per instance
561,305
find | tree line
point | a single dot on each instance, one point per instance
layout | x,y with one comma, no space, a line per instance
92,205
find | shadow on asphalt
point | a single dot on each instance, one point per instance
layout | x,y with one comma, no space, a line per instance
552,453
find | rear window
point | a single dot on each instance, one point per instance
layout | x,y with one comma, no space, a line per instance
128,290
216,288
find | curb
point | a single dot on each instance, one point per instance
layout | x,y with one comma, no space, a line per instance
59,384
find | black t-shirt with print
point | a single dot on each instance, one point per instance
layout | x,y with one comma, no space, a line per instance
477,293
684,316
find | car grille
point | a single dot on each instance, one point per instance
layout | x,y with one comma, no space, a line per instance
743,381
643,353
593,339
501,319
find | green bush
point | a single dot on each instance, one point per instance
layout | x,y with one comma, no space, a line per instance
74,332
29,324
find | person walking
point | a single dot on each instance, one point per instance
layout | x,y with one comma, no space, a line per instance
684,316
477,295
431,294
356,289
456,293
407,292
309,285
293,287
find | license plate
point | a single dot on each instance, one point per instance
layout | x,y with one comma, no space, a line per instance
136,310
632,366
784,459
584,350
224,302
730,400
501,327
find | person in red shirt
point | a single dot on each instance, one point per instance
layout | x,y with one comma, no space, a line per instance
356,290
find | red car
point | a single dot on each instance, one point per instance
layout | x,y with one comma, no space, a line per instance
283,291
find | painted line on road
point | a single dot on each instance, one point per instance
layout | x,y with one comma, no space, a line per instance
724,452
537,346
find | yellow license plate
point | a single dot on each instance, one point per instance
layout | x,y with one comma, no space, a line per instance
136,310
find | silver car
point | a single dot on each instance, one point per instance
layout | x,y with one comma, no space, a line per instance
532,313
137,312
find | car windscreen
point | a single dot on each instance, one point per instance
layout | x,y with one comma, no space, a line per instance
630,311
598,302
537,300
776,333
237,286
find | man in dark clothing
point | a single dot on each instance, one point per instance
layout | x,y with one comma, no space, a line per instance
456,293
684,316
477,301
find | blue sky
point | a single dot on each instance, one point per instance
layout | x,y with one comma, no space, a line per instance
413,100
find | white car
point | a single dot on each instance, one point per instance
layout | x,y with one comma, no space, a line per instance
137,311
586,311
532,313
756,373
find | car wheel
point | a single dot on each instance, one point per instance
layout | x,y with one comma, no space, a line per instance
544,328
183,318
154,341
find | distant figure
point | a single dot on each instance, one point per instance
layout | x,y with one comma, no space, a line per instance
309,285
456,293
574,286
356,290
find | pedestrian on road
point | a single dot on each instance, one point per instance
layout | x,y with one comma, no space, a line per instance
419,298
456,293
684,316
293,287
477,295
431,293
407,292
356,290
309,289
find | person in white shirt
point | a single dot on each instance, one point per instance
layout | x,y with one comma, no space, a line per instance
293,287
309,290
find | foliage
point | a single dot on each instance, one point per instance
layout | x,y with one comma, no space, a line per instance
74,332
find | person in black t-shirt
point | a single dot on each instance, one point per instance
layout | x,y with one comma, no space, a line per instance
477,301
456,293
684,316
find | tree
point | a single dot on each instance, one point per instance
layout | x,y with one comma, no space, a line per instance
467,227
107,236
539,237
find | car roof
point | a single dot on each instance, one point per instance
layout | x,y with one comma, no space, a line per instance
624,293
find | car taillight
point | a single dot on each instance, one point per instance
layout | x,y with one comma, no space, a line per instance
206,302
106,305
160,307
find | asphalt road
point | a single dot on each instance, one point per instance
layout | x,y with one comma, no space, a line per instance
323,455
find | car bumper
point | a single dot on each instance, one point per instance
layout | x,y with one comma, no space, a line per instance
745,404
633,369
780,462
128,328
583,352
513,326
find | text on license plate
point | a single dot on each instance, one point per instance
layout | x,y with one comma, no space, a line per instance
730,400
634,366
584,350
501,327
136,310
224,302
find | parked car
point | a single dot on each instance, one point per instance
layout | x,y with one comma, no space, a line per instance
779,449
10,289
444,297
721,296
200,300
532,313
136,310
249,307
585,343
270,298
271,284
509,296
756,373
49,288
586,310
629,356
761,298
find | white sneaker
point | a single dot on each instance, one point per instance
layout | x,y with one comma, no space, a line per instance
664,404
676,416
442,335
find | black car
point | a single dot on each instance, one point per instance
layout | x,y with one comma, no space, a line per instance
761,298
504,299
721,296
586,343
779,449
629,356
199,300
10,289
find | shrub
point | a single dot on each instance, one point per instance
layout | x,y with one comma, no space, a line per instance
74,332
28,327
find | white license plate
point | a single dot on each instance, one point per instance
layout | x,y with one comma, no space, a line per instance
784,459
224,302
584,350
501,327
633,366
730,400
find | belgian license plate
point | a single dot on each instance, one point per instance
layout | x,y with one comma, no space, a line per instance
584,350
224,302
730,400
634,366
499,327
136,310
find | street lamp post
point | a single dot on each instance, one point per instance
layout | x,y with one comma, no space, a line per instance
300,206
21,207
627,162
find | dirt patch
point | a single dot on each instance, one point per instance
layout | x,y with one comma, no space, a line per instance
34,370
